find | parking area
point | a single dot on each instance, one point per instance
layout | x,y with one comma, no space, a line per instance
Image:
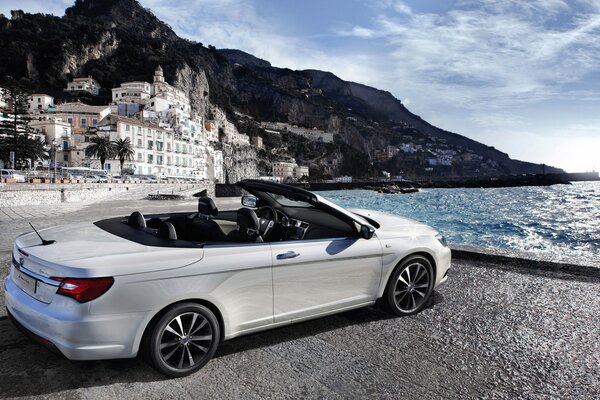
493,330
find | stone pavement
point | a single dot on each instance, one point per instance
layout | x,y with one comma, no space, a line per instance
493,331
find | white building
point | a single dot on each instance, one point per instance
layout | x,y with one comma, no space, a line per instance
83,85
167,101
284,170
40,102
313,134
157,151
217,157
132,92
2,99
300,172
57,133
343,179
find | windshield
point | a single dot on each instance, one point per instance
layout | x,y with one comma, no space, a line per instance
287,202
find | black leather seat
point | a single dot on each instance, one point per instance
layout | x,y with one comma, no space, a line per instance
166,230
247,230
201,227
136,219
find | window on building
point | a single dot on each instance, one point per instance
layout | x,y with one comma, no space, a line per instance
127,127
65,132
140,156
150,158
83,123
139,142
65,145
150,144
70,120
94,121
39,100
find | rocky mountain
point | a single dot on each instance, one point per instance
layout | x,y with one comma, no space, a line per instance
119,40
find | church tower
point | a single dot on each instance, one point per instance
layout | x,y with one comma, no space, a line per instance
158,75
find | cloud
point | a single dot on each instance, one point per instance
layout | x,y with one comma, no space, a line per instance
485,54
55,7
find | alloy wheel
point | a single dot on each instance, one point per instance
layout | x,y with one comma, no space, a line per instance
186,340
411,287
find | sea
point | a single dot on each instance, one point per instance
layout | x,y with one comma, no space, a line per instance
555,223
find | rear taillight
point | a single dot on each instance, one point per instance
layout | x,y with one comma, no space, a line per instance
83,289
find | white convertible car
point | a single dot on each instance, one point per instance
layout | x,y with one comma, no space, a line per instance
175,285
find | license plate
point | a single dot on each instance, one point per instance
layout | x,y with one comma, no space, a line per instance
25,282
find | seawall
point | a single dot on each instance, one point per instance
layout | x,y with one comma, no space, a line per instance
41,194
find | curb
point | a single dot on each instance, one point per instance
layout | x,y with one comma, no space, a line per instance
527,263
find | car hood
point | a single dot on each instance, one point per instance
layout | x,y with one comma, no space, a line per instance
85,250
394,225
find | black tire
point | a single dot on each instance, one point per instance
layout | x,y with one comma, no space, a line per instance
183,340
410,286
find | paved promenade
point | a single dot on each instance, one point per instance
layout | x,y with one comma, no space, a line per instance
493,331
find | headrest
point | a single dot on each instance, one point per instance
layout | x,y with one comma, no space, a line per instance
247,219
137,219
166,230
206,206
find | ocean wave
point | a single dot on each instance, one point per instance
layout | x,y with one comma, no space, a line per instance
560,221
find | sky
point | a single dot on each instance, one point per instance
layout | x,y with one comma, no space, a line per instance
523,76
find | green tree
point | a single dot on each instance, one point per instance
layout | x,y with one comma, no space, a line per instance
15,133
123,151
101,147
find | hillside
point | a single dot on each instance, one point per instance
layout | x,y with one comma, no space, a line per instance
119,40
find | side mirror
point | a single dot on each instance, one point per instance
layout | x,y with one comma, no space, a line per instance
249,201
366,231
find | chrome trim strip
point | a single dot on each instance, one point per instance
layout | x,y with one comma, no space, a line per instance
39,277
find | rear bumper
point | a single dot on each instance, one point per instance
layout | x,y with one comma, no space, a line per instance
69,329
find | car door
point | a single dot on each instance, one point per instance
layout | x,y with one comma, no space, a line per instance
238,278
312,277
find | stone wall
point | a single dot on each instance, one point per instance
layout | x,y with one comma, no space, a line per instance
24,194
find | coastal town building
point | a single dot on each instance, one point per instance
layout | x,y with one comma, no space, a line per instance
56,133
132,92
168,139
285,170
3,104
158,151
40,102
83,85
257,142
80,115
313,134
343,179
385,154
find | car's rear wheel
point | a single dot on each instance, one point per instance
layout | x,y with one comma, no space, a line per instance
410,286
183,339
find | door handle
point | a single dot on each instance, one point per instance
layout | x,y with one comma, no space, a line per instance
289,254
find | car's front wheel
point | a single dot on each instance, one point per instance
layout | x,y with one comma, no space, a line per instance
183,339
410,286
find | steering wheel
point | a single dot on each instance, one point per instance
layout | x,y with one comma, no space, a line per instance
267,218
267,212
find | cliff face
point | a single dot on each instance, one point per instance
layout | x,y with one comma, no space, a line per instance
119,40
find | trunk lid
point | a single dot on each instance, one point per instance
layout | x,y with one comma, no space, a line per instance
87,251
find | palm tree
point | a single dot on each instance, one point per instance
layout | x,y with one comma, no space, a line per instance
124,151
26,148
101,147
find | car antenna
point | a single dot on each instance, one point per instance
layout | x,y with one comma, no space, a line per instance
44,241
